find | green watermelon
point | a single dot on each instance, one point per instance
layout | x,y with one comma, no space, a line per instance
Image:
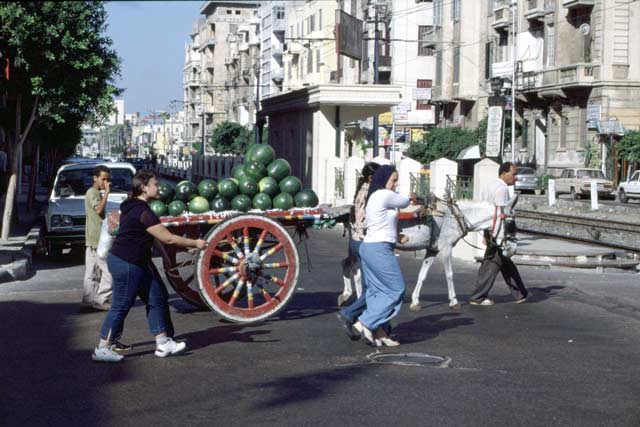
158,207
307,198
283,201
255,170
208,188
186,190
262,201
177,207
220,204
199,205
279,169
241,202
269,186
165,192
238,171
228,188
291,185
248,186
262,153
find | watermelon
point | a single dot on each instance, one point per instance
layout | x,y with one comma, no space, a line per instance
208,188
269,186
165,192
283,201
158,207
248,186
262,201
262,153
228,188
279,169
238,171
220,204
177,207
307,198
199,205
241,202
255,170
291,185
186,190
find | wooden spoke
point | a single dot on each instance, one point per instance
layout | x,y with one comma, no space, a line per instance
225,256
223,270
236,293
271,251
274,279
234,246
227,282
260,242
274,265
245,238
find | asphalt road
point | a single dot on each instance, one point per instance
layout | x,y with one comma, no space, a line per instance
566,357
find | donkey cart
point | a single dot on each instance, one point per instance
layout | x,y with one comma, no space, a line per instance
249,269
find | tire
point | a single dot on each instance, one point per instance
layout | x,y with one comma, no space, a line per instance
54,253
622,196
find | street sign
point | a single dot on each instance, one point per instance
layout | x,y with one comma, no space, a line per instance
422,93
594,115
494,131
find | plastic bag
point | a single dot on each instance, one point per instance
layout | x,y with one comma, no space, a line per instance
106,240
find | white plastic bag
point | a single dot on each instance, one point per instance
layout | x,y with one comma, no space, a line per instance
106,240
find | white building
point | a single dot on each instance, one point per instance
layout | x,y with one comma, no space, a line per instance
117,118
272,36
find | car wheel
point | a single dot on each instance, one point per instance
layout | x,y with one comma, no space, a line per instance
574,195
622,196
54,253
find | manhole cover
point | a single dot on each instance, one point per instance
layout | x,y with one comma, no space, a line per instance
410,359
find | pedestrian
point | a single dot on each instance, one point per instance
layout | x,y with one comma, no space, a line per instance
380,267
350,314
494,259
128,262
97,279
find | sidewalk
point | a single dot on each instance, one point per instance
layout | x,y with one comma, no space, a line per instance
17,253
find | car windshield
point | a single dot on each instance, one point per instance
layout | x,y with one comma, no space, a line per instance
76,182
526,171
590,174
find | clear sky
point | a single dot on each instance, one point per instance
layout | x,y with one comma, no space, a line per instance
149,37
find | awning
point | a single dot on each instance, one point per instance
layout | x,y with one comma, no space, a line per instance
469,153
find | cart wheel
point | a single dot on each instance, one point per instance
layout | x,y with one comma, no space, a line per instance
180,269
249,270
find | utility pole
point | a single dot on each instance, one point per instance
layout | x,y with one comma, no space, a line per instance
514,19
376,148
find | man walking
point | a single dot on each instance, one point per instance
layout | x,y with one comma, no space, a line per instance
97,280
494,260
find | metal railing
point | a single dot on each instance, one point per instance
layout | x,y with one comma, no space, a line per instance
419,184
460,188
339,183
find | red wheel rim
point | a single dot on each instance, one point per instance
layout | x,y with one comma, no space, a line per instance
249,270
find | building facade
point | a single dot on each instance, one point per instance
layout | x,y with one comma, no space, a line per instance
272,36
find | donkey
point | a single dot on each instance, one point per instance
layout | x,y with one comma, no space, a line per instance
437,234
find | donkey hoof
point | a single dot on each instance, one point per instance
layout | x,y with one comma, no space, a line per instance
455,305
341,300
415,306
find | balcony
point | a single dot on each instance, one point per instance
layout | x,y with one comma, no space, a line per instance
534,10
573,76
193,81
278,25
210,63
209,109
501,17
277,75
243,47
578,3
384,63
276,50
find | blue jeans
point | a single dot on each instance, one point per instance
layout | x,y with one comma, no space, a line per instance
385,284
353,311
130,281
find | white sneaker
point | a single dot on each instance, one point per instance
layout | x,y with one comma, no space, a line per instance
106,355
170,348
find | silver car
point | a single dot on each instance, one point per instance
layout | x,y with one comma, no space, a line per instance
527,180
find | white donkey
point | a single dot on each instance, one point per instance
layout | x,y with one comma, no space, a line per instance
451,222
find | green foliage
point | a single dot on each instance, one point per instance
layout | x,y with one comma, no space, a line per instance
441,142
545,181
629,146
231,138
481,131
591,159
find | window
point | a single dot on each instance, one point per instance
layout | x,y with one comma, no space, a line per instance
279,12
438,67
237,12
309,61
229,11
503,47
320,19
312,23
233,28
549,46
525,134
456,65
437,13
424,31
318,60
423,104
488,59
455,10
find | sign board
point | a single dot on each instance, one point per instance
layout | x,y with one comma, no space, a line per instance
502,69
403,107
417,134
385,119
399,116
594,115
349,31
422,93
494,132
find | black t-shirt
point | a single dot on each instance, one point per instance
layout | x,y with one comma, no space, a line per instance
133,243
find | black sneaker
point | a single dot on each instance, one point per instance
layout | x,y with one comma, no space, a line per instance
119,346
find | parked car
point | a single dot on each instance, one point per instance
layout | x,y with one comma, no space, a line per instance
527,179
630,189
577,182
65,217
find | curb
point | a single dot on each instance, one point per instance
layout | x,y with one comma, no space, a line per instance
20,268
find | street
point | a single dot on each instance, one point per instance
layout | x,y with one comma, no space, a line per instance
567,357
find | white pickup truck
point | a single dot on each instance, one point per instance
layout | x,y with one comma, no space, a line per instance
629,189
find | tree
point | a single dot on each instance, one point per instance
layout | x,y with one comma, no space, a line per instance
442,142
231,138
62,69
629,146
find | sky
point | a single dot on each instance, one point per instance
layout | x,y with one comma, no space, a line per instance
149,37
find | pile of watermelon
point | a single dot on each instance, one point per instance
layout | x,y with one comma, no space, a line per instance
262,182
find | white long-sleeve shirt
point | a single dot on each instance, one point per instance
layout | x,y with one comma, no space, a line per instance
382,215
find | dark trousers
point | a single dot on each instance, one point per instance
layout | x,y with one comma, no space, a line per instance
492,263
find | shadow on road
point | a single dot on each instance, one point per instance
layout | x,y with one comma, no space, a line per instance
304,305
429,327
45,381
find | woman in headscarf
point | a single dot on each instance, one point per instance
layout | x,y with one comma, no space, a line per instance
380,267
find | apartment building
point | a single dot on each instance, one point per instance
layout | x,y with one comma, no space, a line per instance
272,36
221,67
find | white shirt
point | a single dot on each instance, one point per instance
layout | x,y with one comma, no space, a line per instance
497,193
382,216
